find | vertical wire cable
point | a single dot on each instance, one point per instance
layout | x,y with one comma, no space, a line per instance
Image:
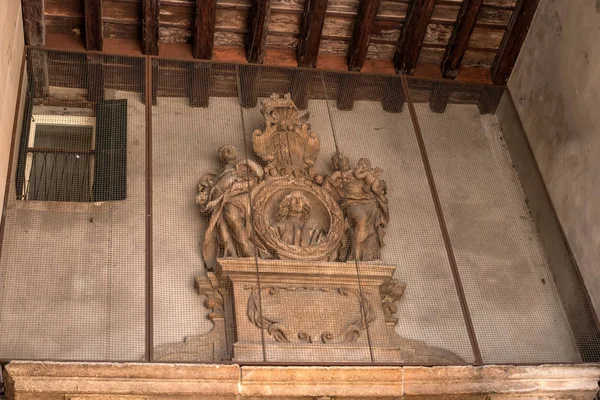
251,219
443,227
352,235
149,237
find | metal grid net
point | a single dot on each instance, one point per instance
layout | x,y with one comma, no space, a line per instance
77,257
72,262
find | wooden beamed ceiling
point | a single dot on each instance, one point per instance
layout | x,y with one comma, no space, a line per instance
453,35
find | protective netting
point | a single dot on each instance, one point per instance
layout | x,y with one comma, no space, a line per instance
73,251
104,251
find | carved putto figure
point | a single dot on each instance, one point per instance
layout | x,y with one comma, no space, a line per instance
297,213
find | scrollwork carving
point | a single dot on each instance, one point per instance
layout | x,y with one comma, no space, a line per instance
391,291
254,312
349,334
208,286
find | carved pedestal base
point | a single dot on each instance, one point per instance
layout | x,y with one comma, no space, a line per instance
302,311
318,311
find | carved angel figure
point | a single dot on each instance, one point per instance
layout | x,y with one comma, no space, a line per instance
362,197
225,196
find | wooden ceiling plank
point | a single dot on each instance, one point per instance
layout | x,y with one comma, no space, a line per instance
150,9
513,40
204,31
363,27
33,22
411,39
311,32
459,40
257,31
93,25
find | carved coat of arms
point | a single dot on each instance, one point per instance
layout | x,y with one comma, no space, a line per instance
282,208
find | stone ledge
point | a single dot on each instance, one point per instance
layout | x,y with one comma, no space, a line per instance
98,381
501,379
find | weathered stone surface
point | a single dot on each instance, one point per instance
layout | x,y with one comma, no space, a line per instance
493,379
78,381
556,91
150,380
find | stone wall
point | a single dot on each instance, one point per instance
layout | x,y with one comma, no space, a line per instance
556,90
11,51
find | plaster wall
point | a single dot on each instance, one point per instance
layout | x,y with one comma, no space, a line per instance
556,90
11,51
508,285
73,274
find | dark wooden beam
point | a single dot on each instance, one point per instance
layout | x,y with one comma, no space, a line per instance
150,9
300,82
204,30
199,84
257,30
37,69
310,33
489,99
248,90
363,27
346,89
95,77
513,39
35,35
440,96
393,97
33,22
459,40
412,36
93,25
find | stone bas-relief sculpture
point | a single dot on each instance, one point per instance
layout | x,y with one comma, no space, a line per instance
302,233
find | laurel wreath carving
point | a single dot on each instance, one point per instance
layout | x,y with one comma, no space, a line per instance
349,334
261,197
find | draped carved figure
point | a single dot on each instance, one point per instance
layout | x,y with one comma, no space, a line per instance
362,197
225,196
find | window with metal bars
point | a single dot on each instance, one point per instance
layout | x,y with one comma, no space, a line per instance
73,158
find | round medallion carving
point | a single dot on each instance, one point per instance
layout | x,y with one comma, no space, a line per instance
297,219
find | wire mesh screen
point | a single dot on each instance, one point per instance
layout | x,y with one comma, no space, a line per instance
376,131
516,310
72,262
297,216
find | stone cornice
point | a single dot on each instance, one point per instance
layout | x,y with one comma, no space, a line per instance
87,381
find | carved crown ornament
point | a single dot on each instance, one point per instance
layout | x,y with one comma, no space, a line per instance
297,212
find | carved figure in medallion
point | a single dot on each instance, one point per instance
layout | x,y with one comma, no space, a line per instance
292,225
362,197
225,196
